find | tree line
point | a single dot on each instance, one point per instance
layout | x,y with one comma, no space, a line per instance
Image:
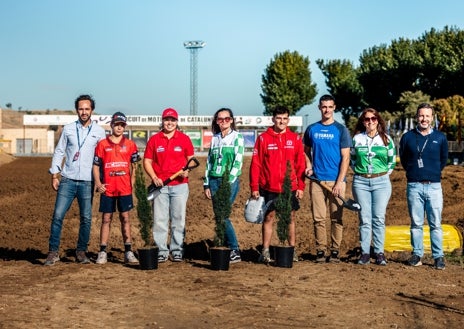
392,78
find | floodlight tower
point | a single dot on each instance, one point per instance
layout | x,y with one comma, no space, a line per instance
193,46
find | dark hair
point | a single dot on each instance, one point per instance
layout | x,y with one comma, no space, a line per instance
84,98
381,127
215,127
424,106
325,98
280,110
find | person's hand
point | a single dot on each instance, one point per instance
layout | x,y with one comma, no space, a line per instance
337,189
55,183
309,171
185,173
208,193
255,195
299,194
101,188
157,181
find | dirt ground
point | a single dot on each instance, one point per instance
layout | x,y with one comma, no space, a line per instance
190,294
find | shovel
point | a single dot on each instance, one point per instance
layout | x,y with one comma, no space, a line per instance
348,204
153,190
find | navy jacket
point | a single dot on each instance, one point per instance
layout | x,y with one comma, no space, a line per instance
434,155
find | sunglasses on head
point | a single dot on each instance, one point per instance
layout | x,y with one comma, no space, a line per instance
372,119
225,119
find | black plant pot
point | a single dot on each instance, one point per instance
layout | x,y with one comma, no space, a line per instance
148,258
220,258
283,256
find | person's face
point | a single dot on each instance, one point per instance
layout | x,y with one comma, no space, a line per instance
280,122
84,111
169,125
370,121
224,120
424,118
327,109
118,128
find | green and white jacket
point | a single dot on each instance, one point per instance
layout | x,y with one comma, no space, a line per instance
370,156
227,151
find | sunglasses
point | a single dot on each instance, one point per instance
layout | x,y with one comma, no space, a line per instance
372,119
221,120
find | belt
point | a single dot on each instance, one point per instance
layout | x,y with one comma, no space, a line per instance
373,175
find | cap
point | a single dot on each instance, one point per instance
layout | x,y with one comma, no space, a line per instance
118,117
170,113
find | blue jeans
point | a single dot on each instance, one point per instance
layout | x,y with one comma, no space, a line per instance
373,195
230,237
171,203
425,199
69,190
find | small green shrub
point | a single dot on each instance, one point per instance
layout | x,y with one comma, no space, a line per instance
144,212
222,209
283,207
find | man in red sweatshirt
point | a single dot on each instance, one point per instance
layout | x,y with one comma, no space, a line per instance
272,150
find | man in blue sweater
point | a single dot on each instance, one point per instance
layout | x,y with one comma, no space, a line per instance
424,153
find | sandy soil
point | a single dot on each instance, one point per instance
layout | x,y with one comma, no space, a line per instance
190,294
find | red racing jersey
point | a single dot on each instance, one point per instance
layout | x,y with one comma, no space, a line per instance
169,155
269,161
115,162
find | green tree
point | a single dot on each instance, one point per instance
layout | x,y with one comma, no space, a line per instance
143,206
450,113
287,82
431,64
409,101
222,209
443,68
342,81
283,207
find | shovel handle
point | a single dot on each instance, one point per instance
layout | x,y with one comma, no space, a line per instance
324,185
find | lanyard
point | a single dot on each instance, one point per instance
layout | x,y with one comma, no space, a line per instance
79,139
423,146
370,154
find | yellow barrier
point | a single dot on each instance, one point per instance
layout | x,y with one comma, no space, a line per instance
398,238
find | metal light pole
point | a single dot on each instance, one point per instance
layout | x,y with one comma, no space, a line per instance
193,46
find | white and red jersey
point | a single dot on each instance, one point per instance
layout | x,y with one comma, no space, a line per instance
115,162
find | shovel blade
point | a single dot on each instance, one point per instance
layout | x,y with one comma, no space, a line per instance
352,205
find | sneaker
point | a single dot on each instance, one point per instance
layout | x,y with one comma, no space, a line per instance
380,259
102,258
320,257
129,258
334,257
295,256
235,256
415,261
365,259
52,258
176,258
265,257
162,258
439,263
82,258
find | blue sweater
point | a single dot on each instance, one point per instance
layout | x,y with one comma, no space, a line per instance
434,155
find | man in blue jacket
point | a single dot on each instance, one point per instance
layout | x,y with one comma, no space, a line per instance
424,154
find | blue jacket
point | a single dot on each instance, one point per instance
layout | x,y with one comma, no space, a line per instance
432,149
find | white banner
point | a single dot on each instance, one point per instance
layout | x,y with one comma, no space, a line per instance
155,120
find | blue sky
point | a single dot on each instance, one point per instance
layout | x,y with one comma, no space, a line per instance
130,54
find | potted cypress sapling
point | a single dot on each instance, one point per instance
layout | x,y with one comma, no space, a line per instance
283,208
148,255
220,254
